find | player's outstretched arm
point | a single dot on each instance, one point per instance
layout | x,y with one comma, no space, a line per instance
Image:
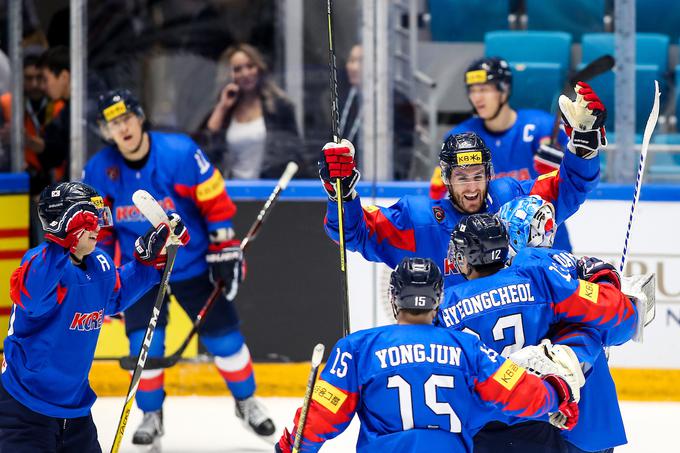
513,390
333,402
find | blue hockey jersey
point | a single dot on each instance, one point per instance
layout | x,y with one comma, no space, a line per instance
420,226
416,388
600,424
515,153
178,175
55,321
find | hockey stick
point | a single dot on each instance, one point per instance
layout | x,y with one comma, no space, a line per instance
152,211
333,73
128,363
649,129
317,356
590,71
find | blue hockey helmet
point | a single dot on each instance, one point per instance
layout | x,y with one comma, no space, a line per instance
115,103
490,70
461,150
530,221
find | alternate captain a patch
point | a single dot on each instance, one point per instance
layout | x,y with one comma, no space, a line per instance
439,214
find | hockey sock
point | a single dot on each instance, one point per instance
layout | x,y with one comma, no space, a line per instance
150,393
233,362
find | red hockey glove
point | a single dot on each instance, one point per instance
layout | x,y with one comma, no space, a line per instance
567,415
150,248
597,271
337,161
75,221
584,120
284,444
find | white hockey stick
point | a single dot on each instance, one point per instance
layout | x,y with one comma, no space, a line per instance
649,129
150,208
317,356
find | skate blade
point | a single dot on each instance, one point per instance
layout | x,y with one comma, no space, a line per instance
269,440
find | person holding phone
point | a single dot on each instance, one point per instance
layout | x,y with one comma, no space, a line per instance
252,127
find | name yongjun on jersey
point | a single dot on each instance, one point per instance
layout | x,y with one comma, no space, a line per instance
418,353
497,297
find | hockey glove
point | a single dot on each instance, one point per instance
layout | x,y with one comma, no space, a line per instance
76,220
226,263
337,161
567,415
584,120
595,270
150,248
179,230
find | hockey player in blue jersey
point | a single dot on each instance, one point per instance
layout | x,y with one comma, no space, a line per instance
520,140
529,221
61,293
523,305
176,172
421,226
419,388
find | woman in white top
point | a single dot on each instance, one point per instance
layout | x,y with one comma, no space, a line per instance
253,123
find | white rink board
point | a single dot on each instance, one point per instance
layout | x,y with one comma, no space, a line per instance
597,229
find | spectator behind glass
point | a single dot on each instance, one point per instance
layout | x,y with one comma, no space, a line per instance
38,112
55,152
350,117
252,128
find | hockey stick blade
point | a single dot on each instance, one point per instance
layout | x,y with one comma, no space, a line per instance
149,207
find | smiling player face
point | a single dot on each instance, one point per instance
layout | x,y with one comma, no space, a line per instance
468,187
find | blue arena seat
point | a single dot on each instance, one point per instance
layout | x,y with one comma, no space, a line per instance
536,85
575,16
467,20
658,16
530,46
651,48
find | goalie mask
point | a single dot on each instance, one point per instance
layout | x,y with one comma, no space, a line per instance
416,284
530,222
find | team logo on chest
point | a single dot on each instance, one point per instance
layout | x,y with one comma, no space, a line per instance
439,214
113,173
87,321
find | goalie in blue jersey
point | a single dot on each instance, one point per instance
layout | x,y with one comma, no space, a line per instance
523,305
420,388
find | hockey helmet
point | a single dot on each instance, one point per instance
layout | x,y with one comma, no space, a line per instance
57,199
490,70
416,284
530,222
461,150
481,239
118,102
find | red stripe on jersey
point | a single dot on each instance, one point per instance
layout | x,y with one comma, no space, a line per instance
151,384
16,283
547,186
379,225
215,209
61,293
237,376
527,398
116,287
611,304
321,422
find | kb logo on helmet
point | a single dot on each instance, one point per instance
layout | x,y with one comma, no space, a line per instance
469,158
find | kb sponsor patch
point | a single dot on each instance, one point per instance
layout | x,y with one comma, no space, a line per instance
469,158
328,396
588,290
508,374
477,76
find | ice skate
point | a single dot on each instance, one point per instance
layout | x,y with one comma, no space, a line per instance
255,417
148,433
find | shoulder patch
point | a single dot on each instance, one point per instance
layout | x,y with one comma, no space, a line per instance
439,213
371,208
328,396
508,374
546,175
210,188
588,290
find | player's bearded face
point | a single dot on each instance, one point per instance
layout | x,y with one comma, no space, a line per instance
485,98
126,131
467,186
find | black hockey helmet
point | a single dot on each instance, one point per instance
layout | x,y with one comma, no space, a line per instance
416,284
481,238
57,199
460,150
115,103
490,70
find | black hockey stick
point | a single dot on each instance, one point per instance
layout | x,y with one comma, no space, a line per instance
590,71
144,351
338,182
128,362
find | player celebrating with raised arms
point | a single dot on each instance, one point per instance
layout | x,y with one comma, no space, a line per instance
61,293
175,171
420,226
523,305
419,388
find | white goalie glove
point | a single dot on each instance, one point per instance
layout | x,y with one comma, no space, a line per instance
584,120
547,358
642,289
